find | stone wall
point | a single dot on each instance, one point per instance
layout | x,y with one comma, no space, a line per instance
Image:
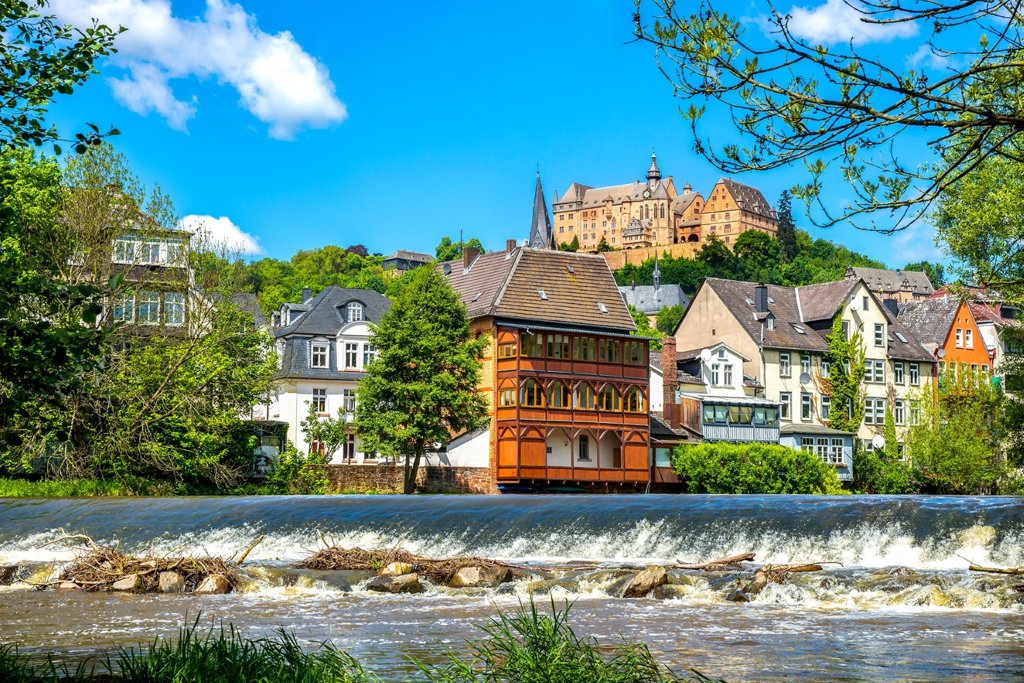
617,259
429,479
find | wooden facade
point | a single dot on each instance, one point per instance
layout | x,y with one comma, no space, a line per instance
570,407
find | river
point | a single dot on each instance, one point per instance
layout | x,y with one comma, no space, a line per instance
859,620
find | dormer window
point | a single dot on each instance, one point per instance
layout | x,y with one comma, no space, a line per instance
355,311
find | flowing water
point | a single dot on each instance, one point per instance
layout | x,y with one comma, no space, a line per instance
899,605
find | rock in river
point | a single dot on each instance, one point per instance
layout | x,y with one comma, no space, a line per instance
171,582
398,569
478,577
128,583
8,574
407,583
214,584
644,582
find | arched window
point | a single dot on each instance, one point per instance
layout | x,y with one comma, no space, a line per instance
610,399
635,401
355,311
507,395
663,210
531,393
585,398
558,396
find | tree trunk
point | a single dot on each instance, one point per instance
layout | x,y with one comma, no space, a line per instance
411,470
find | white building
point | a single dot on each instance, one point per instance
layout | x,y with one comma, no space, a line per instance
324,347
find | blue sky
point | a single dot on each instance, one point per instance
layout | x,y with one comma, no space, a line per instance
343,123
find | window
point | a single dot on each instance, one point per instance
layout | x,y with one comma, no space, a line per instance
874,411
124,309
874,371
318,353
879,334
824,368
806,407
351,355
531,394
634,401
846,330
507,350
348,448
766,416
369,354
826,407
584,448
785,399
174,308
149,308
633,352
124,250
176,253
899,412
784,367
348,400
805,365
959,338
969,339
609,351
714,375
915,413
610,399
533,346
897,372
558,346
150,252
280,353
716,414
727,375
915,374
507,397
864,303
355,311
558,396
584,397
320,400
585,348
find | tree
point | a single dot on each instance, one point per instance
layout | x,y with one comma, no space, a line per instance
574,245
423,388
718,258
757,255
753,468
603,245
936,272
358,250
787,228
668,319
643,327
794,101
842,384
328,432
43,58
446,250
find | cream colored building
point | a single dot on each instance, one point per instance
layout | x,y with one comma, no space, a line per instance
783,330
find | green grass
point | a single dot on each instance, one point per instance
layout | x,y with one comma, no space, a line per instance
60,488
525,646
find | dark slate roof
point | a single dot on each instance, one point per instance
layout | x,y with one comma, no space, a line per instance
541,234
508,285
823,301
881,280
929,319
683,201
419,257
650,300
661,431
327,310
749,198
251,305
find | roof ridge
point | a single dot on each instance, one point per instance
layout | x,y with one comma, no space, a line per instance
508,279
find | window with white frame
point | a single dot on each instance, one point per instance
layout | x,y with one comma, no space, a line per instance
824,368
124,250
355,311
915,413
280,353
897,372
149,308
874,411
879,334
351,355
174,308
348,400
584,448
826,407
348,448
846,329
969,339
150,252
785,404
784,365
715,374
874,371
915,374
806,407
320,400
899,412
369,354
124,309
175,253
959,338
805,364
727,374
319,352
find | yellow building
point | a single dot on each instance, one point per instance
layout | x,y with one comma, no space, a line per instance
651,213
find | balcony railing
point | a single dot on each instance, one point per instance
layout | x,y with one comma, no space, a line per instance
740,433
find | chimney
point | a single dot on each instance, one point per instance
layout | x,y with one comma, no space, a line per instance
510,246
893,305
669,372
761,298
469,255
307,294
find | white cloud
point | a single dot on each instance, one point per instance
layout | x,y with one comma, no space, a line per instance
916,243
838,22
277,81
221,233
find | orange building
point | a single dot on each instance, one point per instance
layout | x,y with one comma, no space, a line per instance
946,326
566,383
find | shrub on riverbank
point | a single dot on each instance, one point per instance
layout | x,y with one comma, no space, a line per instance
70,488
753,468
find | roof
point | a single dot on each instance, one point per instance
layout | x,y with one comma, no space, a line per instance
410,256
251,305
881,280
694,354
541,285
749,198
650,300
541,233
683,201
661,431
592,197
822,301
812,428
731,400
327,310
929,319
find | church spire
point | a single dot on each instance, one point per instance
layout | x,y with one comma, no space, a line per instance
541,234
653,173
657,272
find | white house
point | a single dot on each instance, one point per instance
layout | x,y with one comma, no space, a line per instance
324,347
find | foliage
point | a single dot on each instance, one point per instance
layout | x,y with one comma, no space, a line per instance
786,227
842,110
845,358
603,245
955,446
330,432
43,58
752,468
1012,369
883,472
298,473
669,317
935,271
78,488
422,388
446,250
574,245
528,646
643,327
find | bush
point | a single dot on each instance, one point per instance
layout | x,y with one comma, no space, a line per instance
880,473
298,473
58,488
753,468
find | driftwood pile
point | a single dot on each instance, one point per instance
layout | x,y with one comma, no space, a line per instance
438,571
